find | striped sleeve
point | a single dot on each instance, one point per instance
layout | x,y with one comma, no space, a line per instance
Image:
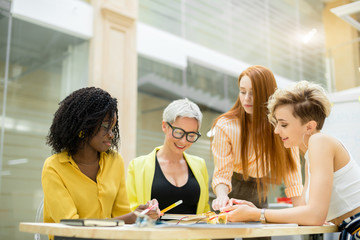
223,157
293,181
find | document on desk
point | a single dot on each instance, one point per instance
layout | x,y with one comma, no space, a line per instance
184,217
227,225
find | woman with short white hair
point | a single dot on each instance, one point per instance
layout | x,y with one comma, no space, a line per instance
168,174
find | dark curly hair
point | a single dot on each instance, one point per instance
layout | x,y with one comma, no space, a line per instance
82,111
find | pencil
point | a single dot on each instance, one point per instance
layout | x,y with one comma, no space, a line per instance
172,206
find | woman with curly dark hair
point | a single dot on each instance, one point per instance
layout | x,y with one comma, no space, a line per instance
85,177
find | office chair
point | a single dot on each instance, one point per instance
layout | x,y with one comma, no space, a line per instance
39,218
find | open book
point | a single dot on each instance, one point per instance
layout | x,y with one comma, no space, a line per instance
93,222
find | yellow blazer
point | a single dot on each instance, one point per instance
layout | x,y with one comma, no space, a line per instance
140,177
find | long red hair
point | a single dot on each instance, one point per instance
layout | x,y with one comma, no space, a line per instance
269,150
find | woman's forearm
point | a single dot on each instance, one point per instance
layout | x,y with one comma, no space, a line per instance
221,190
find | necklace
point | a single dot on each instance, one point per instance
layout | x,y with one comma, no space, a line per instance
88,164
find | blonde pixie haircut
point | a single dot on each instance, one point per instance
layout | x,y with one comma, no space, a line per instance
309,102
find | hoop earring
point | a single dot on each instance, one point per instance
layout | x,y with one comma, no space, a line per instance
81,134
304,141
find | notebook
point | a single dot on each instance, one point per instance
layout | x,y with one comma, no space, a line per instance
93,222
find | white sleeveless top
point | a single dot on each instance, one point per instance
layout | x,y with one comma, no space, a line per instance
345,195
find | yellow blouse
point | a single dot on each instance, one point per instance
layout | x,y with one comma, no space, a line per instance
141,175
68,193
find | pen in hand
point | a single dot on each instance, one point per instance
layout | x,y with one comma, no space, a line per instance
148,209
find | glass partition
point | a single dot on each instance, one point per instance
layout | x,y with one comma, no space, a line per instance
44,66
286,36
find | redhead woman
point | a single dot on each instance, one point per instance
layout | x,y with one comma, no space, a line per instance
247,154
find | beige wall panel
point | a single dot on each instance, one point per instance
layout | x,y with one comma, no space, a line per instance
345,66
344,54
123,7
113,63
121,83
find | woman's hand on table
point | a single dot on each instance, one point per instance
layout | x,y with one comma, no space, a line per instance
242,212
234,201
220,202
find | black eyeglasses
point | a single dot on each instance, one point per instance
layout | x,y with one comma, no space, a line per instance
179,133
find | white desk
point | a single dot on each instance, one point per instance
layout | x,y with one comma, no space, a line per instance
200,231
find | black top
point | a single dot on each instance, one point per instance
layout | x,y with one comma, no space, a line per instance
167,194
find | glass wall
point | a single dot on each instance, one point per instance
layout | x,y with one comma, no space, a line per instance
285,35
43,67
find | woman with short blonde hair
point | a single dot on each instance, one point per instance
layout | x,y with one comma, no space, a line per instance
332,176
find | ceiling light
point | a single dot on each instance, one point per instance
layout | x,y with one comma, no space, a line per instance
309,36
